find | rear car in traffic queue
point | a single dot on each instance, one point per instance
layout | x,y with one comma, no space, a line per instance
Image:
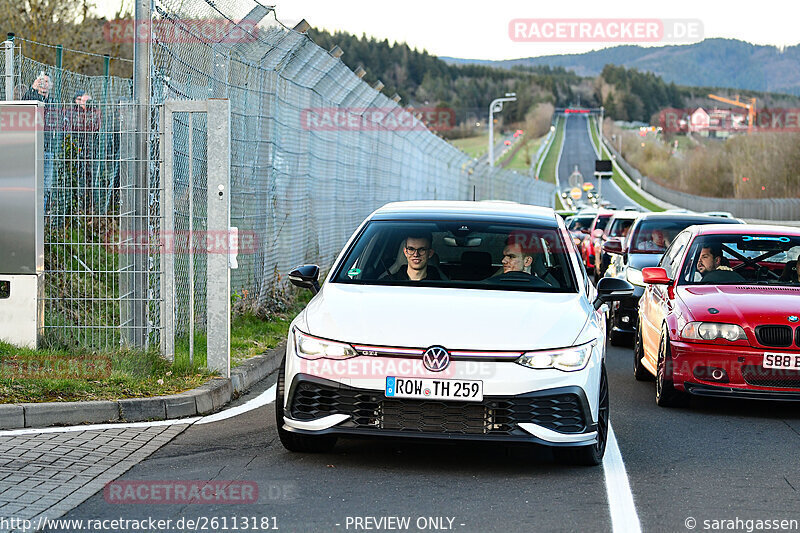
720,315
588,244
505,342
647,240
617,229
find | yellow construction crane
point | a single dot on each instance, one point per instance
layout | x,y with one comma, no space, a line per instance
751,108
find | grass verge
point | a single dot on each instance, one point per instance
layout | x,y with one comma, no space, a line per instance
473,146
548,170
66,373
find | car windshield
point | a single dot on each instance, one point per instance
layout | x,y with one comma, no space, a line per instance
619,227
579,222
466,254
655,235
602,222
742,259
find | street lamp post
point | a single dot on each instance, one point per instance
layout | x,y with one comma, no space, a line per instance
495,107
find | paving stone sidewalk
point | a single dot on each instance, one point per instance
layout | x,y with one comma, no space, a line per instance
48,474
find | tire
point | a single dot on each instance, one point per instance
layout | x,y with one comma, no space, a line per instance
590,455
639,371
666,395
293,441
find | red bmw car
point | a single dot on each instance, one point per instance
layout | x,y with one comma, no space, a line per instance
720,315
589,245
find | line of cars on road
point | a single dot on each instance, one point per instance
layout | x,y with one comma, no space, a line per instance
480,321
715,308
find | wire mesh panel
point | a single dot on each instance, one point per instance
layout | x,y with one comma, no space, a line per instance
298,187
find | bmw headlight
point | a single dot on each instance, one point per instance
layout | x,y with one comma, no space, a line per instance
634,276
709,331
310,347
566,359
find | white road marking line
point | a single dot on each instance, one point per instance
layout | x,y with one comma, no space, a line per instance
266,397
620,498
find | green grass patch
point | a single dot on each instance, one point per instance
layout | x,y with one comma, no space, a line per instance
473,146
621,182
63,375
548,171
61,372
521,159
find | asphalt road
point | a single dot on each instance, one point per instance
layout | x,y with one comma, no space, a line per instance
717,460
578,151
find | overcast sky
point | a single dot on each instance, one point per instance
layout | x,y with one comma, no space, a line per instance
480,29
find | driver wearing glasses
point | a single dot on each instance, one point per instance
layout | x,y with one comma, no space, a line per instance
418,252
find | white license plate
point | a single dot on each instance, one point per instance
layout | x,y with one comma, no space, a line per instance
781,360
434,389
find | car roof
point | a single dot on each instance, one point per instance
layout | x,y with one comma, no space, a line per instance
630,215
761,229
686,217
450,209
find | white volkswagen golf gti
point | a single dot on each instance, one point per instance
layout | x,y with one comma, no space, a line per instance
451,320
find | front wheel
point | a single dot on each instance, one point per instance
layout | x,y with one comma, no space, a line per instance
293,441
590,455
666,394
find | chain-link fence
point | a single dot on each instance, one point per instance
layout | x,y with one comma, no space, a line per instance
302,186
301,178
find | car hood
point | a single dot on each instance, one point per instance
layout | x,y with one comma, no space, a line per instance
469,319
745,305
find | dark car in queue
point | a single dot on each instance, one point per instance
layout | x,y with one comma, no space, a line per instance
578,225
720,315
588,244
617,229
647,240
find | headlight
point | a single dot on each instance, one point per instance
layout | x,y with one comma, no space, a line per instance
567,359
634,276
577,241
709,331
309,347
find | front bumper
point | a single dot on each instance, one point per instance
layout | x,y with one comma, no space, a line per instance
739,372
554,417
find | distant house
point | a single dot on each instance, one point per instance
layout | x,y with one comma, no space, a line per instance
717,122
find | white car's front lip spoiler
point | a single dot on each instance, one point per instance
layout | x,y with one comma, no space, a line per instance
538,431
554,436
317,424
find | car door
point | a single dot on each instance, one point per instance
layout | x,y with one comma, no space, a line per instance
656,302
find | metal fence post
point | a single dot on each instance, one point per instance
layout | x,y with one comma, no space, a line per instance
9,66
141,96
218,281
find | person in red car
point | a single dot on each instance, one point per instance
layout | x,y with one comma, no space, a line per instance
711,266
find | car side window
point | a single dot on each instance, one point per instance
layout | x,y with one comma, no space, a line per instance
671,260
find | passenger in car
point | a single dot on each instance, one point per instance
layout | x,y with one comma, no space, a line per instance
711,266
791,272
515,258
418,251
657,242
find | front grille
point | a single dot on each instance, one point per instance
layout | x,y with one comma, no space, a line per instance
771,377
780,336
493,416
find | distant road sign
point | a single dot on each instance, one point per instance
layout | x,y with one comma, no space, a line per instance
602,165
575,193
588,186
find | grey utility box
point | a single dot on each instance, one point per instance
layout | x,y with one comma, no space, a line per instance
22,161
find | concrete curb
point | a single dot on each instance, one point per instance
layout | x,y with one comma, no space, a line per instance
205,399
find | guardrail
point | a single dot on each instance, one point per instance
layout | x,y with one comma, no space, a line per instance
767,209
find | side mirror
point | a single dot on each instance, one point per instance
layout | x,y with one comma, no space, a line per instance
655,276
305,277
585,231
598,233
611,290
613,247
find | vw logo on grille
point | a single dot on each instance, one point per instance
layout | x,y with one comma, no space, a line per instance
793,318
436,359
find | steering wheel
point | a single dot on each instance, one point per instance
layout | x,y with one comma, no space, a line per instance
520,277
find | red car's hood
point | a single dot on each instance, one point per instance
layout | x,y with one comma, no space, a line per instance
746,305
